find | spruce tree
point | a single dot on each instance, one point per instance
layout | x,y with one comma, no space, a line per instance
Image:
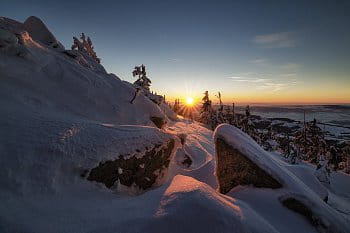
143,80
85,46
206,110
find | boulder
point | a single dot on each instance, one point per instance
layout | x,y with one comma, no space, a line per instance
142,169
234,168
241,161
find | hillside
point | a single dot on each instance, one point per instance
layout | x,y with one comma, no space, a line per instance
77,156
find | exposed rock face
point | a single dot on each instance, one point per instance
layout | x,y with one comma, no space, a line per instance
234,168
143,171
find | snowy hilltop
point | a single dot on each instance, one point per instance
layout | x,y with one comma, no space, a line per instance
84,151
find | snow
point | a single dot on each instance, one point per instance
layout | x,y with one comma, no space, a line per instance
39,32
199,147
311,196
62,114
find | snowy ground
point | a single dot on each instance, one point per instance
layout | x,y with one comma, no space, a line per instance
183,204
62,115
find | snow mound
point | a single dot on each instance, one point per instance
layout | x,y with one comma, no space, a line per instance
61,111
53,82
188,205
54,152
292,192
39,32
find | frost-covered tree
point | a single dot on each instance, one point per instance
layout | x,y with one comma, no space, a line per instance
143,80
246,120
347,155
334,158
310,142
247,111
323,171
219,113
206,102
233,119
85,46
206,110
176,107
228,114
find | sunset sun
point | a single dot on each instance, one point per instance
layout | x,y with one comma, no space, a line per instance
189,101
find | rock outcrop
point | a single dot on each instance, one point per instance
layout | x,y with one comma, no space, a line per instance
241,161
142,169
234,168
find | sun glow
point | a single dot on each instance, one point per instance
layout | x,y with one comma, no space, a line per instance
189,101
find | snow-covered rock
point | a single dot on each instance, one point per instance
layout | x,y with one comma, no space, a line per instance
44,154
144,164
39,32
288,189
188,205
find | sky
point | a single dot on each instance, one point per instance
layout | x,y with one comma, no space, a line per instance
282,52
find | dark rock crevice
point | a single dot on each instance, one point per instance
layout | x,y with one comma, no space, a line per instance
143,171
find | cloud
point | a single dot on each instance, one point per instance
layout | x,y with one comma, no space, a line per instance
248,80
273,86
276,40
290,66
175,59
259,61
267,83
289,75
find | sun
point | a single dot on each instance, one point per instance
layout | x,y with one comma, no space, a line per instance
189,101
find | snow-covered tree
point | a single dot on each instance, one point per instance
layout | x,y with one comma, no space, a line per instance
334,158
176,107
323,171
228,114
85,46
347,155
143,80
206,110
233,119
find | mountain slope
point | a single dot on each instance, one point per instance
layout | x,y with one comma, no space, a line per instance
77,156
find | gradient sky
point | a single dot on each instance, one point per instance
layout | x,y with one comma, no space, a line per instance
251,51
